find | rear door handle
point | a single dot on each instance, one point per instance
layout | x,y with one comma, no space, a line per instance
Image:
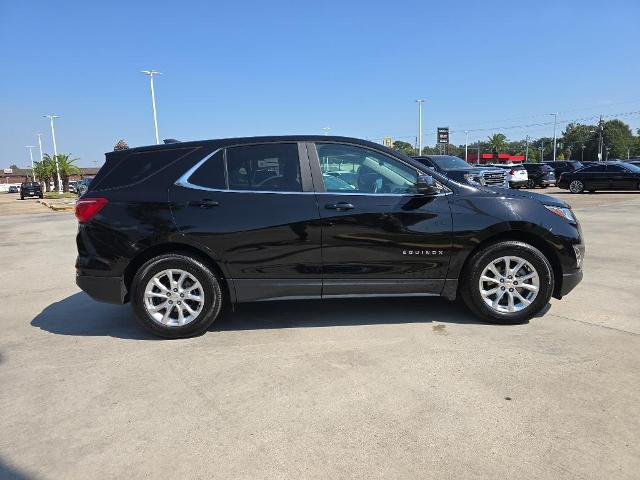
204,203
340,206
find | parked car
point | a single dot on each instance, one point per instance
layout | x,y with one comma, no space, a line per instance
73,187
461,171
561,166
83,185
516,174
603,176
634,162
539,175
181,229
13,189
30,190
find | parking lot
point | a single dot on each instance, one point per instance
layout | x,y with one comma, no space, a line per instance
366,388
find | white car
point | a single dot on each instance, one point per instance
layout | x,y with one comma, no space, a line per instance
517,175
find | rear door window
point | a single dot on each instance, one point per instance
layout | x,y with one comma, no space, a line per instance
273,167
211,173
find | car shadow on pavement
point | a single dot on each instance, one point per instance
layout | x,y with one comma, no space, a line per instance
79,315
343,312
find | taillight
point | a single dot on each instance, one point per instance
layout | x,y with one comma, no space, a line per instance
87,208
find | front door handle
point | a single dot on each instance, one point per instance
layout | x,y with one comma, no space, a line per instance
204,203
340,206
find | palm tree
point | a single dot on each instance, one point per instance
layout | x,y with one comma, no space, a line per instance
498,142
67,168
45,170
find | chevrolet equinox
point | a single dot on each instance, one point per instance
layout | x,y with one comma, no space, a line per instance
182,229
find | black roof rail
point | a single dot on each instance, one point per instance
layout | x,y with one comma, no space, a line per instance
171,140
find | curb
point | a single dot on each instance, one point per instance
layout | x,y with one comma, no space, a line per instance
57,207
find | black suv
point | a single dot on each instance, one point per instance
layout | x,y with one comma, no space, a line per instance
562,166
30,190
184,228
539,175
461,171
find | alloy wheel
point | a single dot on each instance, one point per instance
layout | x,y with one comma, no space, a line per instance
509,284
576,186
173,297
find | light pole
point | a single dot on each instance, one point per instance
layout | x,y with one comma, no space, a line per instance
555,120
582,155
420,102
326,130
55,149
466,145
607,148
541,151
31,147
39,135
526,152
151,73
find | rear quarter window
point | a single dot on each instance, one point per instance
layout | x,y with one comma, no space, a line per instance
137,167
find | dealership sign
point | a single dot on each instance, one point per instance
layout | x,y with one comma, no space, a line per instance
8,170
443,134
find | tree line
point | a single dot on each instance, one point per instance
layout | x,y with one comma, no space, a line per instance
577,142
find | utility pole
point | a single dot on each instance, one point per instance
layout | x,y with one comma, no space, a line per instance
420,102
555,119
151,73
55,149
30,148
582,156
526,152
541,151
466,145
478,159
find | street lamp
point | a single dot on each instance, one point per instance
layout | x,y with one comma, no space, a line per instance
31,147
151,73
555,119
582,156
39,135
55,149
420,102
526,152
326,130
466,145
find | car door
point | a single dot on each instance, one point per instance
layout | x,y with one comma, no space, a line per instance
378,235
253,208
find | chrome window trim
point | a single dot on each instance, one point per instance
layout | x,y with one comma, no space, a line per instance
183,181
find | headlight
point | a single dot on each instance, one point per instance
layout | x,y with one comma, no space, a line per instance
563,212
471,178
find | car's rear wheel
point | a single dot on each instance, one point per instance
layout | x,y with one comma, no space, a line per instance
576,186
507,282
531,183
176,296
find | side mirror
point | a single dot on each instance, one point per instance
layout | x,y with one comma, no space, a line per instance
426,185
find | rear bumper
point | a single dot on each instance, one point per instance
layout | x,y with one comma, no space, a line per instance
103,289
517,183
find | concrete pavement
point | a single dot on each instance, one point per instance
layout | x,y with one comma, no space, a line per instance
384,388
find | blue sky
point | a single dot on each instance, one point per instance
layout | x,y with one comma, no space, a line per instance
256,68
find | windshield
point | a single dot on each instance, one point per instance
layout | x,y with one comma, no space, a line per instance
630,166
448,162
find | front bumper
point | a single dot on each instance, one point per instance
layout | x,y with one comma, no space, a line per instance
103,289
517,183
569,281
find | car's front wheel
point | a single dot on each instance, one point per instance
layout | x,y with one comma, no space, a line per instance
507,282
531,183
176,296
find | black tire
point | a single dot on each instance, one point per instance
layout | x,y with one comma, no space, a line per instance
213,296
531,183
470,278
